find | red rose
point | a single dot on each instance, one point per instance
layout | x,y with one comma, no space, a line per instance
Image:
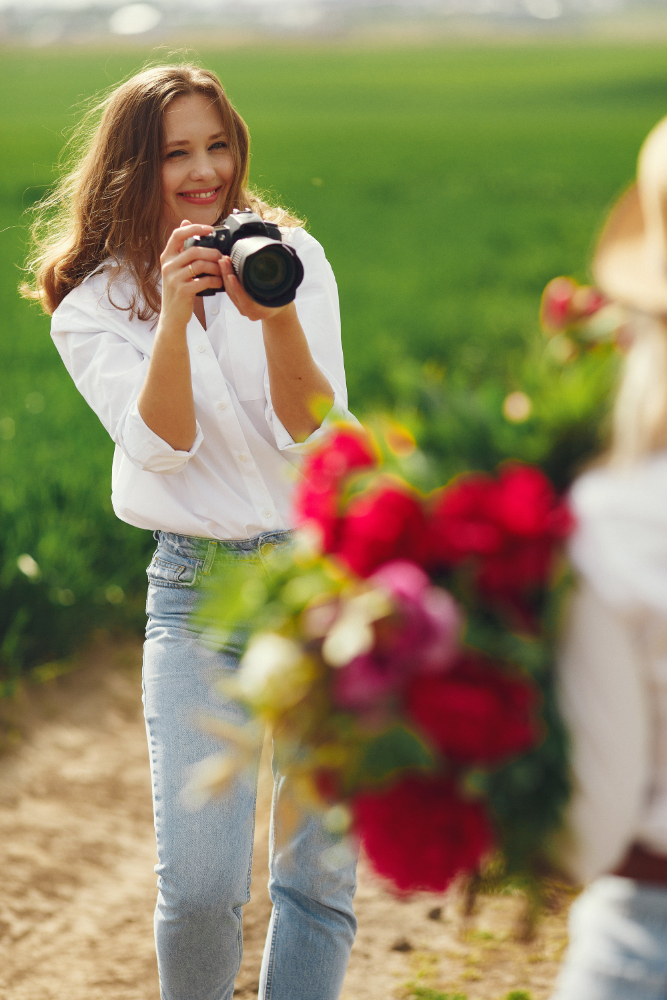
386,524
474,713
461,522
524,501
317,496
506,527
318,504
420,833
343,452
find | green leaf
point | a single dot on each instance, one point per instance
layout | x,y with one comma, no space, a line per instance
394,750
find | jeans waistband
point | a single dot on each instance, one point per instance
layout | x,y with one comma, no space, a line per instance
207,549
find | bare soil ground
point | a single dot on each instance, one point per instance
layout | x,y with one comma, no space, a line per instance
78,887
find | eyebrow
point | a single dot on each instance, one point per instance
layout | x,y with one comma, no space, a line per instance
186,142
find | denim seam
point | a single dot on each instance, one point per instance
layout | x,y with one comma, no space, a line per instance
272,953
252,844
151,754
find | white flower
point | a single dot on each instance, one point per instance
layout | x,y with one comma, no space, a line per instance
352,633
274,673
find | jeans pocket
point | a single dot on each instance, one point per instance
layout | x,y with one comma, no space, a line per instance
174,572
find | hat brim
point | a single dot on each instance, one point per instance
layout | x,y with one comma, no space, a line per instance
623,266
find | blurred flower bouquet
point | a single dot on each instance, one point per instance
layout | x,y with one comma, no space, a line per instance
578,318
400,653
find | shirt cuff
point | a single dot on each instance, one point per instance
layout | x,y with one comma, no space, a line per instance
338,413
149,452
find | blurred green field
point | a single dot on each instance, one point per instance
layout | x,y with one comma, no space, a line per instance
447,185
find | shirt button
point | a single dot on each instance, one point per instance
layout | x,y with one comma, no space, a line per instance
214,310
267,513
243,458
201,348
222,406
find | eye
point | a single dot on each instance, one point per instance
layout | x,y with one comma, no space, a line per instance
220,144
174,153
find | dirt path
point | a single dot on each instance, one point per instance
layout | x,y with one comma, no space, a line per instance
78,888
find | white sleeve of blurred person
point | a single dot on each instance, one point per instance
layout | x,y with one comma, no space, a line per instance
109,372
613,668
319,314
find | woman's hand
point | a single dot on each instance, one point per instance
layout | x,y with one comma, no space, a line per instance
243,302
182,272
165,402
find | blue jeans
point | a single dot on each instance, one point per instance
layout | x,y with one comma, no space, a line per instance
205,856
618,943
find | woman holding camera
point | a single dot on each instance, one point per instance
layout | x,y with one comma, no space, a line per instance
209,401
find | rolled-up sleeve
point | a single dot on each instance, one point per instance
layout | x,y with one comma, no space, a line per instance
319,314
109,372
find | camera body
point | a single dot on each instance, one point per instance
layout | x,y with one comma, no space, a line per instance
269,270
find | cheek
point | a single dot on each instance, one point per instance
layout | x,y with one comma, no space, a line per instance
170,179
227,169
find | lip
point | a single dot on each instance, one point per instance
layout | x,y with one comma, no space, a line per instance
190,196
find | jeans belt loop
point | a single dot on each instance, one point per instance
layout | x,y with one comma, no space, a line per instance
210,556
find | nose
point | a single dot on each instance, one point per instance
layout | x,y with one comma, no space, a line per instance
202,168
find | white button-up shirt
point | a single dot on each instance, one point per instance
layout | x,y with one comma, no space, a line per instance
236,480
613,666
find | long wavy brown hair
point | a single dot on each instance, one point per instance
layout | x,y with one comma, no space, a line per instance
107,204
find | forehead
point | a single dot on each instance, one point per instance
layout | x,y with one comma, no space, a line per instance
190,115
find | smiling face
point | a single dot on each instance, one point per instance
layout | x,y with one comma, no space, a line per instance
197,164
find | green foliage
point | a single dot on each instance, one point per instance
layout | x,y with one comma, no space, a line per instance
518,995
394,750
452,183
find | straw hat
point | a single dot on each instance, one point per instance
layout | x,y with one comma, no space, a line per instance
630,261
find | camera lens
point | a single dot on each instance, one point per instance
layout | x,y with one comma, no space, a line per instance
269,271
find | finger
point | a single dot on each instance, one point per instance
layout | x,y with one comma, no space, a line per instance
201,282
232,284
180,235
197,267
193,254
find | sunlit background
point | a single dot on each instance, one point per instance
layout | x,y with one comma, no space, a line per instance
45,22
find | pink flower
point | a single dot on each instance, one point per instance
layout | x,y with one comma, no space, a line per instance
556,303
420,637
565,302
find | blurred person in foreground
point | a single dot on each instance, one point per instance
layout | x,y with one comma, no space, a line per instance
209,403
613,667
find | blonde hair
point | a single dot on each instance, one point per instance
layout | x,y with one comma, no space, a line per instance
639,419
107,205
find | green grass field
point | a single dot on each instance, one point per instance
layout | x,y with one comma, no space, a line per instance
447,185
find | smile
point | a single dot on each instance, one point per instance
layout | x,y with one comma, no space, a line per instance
203,197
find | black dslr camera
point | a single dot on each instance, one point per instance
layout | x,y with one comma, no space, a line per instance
269,270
